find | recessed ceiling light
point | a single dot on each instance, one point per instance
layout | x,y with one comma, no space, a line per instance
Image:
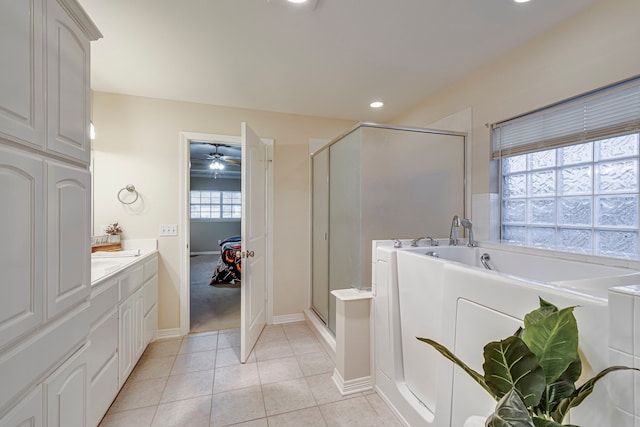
517,1
376,104
296,4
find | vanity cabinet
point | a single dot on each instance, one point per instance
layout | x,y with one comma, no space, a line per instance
123,322
26,413
68,248
64,54
68,90
45,189
22,109
67,392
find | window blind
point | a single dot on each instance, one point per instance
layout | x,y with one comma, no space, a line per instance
606,112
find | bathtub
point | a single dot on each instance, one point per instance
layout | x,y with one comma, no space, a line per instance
455,300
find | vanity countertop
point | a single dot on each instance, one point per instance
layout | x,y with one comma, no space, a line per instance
104,266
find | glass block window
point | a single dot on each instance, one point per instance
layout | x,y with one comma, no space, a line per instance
216,204
569,173
583,197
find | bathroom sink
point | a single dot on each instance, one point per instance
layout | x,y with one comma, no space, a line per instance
101,267
105,264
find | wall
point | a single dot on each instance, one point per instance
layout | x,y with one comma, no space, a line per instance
595,48
137,142
204,235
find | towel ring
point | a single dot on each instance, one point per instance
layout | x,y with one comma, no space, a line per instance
131,189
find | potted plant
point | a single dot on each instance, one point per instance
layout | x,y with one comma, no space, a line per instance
532,374
114,231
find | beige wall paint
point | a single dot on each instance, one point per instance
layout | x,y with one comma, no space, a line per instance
596,48
138,142
138,138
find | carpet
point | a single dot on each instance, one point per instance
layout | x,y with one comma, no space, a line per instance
212,308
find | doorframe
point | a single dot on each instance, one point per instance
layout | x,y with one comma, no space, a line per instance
185,221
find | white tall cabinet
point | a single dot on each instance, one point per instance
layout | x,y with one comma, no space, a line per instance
45,212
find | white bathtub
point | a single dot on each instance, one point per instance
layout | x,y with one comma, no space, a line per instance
456,301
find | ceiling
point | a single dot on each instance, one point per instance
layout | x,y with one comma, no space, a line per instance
328,62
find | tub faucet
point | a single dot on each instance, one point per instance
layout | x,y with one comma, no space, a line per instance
453,234
432,241
466,223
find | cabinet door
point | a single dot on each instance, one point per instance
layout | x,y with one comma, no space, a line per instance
138,332
22,243
68,245
22,83
67,86
126,340
67,392
27,413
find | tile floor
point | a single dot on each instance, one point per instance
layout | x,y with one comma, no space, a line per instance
198,381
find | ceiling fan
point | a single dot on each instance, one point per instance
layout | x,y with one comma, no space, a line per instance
217,159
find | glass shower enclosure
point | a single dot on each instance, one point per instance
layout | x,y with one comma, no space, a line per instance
378,182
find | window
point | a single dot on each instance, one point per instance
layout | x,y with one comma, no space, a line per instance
225,205
570,174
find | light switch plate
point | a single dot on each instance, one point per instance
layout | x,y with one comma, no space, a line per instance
168,229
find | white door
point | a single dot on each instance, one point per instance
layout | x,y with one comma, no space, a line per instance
253,294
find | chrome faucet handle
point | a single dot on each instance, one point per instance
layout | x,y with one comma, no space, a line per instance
466,223
453,234
414,242
397,243
432,241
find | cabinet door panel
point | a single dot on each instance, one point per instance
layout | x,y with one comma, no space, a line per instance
150,294
139,343
104,342
27,413
67,391
21,248
150,325
21,85
125,340
68,249
67,86
104,389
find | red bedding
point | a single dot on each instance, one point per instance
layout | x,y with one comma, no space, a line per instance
228,268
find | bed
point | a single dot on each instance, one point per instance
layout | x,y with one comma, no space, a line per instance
228,268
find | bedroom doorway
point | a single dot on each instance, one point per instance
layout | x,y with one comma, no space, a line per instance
215,219
257,288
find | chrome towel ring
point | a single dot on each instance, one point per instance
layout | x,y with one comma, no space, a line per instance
131,189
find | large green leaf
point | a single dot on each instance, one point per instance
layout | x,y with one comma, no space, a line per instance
509,364
541,422
554,394
545,310
564,387
510,412
583,392
452,357
554,341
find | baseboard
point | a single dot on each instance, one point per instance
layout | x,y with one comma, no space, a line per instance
327,340
351,386
288,318
168,333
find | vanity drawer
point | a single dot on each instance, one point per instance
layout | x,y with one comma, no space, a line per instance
130,281
150,268
150,294
103,299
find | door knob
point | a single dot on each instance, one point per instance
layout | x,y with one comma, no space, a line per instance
250,254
